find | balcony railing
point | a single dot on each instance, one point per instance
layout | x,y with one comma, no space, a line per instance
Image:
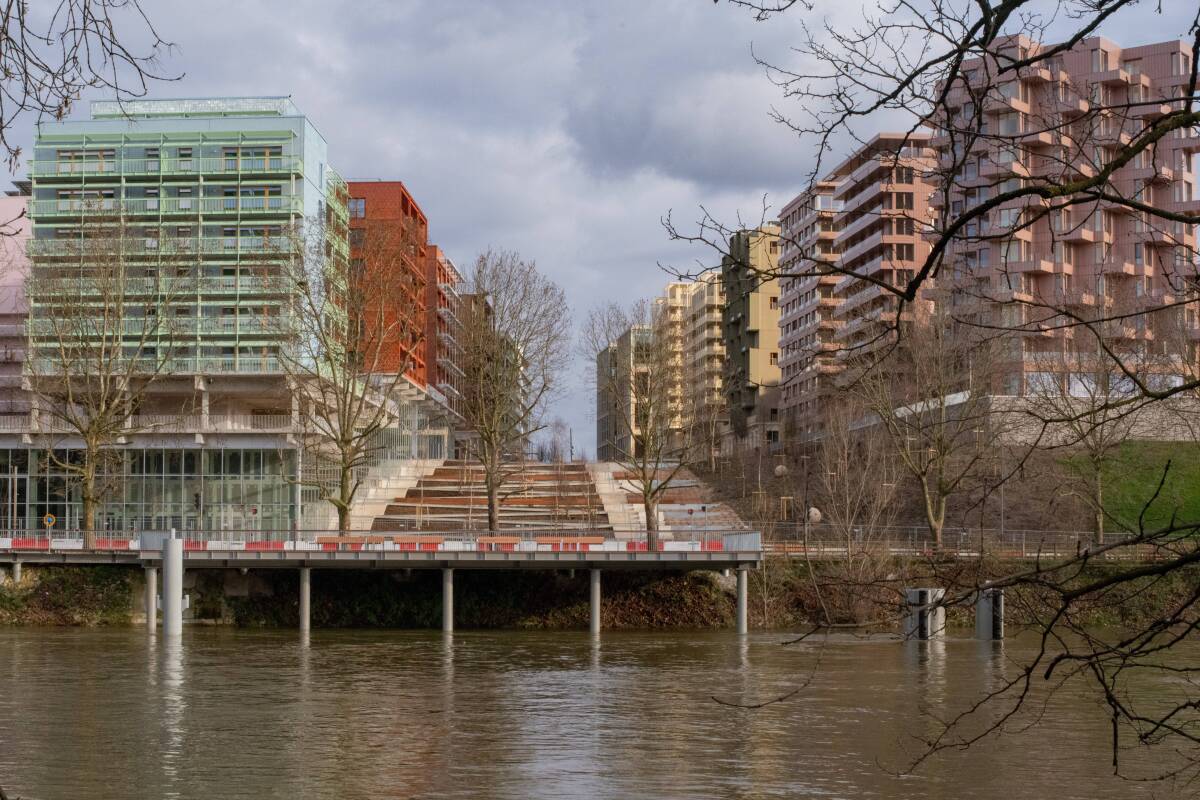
166,423
152,245
166,206
161,166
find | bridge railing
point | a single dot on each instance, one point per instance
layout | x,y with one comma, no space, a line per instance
828,541
505,540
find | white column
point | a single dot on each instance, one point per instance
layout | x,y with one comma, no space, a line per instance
172,586
151,598
989,614
305,599
448,600
595,621
743,589
926,617
16,571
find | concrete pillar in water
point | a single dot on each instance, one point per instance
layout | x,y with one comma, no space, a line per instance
448,599
595,620
151,598
989,614
172,586
305,599
924,618
743,583
16,571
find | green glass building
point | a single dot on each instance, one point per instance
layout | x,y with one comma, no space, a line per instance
208,189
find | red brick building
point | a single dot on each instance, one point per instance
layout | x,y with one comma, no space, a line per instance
386,209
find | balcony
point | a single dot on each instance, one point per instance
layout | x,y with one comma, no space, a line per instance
447,363
1036,266
214,423
1071,106
223,365
1150,111
1115,77
1187,206
48,168
1083,235
1152,174
1037,138
1116,268
166,206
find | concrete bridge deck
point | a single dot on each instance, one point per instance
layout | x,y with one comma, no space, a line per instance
305,551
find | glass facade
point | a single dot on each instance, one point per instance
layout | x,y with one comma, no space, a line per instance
154,489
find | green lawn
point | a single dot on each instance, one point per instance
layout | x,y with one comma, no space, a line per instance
1133,475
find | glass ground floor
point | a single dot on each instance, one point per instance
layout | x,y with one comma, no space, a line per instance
153,489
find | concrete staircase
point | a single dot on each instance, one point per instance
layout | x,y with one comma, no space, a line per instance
685,506
452,497
386,481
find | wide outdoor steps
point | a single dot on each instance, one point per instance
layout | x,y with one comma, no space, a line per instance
453,497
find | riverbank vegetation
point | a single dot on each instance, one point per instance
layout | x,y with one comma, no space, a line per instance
786,594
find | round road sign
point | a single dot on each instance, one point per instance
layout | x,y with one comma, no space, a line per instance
49,520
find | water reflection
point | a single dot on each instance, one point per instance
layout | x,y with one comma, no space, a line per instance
174,709
254,714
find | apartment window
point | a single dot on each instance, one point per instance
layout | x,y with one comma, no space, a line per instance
1138,254
1180,64
1099,60
357,237
1010,124
774,359
774,302
358,208
185,198
904,200
185,158
152,199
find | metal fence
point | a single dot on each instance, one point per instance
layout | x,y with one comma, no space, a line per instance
827,541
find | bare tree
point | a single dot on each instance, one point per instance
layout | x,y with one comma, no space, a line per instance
50,53
932,398
1029,154
856,473
638,374
554,444
105,325
515,338
354,326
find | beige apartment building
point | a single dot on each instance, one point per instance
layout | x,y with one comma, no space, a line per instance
866,219
750,327
1063,120
704,357
670,313
616,418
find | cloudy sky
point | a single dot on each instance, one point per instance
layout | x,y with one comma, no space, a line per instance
564,130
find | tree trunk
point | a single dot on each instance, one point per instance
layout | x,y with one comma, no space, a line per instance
88,490
493,490
1098,499
343,507
651,508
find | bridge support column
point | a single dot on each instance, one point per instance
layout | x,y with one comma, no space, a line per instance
172,586
16,571
595,586
989,614
447,600
151,597
925,618
743,591
305,599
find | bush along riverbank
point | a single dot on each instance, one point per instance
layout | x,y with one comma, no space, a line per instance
70,596
783,595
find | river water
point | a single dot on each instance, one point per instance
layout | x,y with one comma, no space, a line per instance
115,713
